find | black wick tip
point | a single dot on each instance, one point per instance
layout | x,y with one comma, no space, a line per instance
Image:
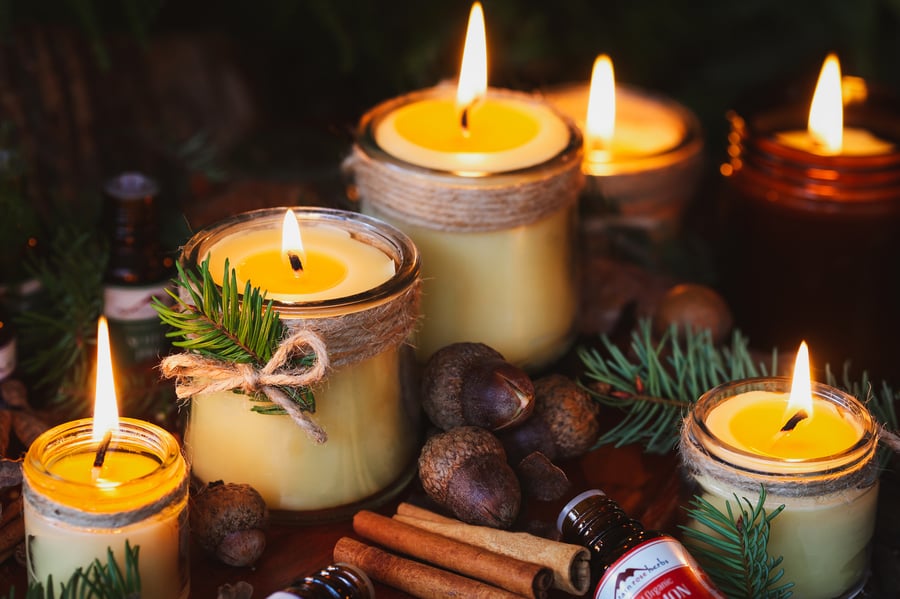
100,456
295,261
464,119
794,420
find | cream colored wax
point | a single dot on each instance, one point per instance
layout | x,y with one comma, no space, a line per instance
369,443
823,539
512,289
58,549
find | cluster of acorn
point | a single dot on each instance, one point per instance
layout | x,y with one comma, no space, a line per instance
500,432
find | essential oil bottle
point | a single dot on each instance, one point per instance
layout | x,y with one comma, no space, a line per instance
337,581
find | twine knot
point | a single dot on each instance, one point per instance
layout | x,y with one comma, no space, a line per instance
196,374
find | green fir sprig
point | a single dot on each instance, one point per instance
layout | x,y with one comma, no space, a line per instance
731,546
96,581
219,323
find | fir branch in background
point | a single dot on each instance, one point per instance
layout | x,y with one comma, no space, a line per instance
656,389
97,581
732,548
222,324
59,336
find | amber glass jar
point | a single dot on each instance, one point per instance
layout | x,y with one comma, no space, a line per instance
811,242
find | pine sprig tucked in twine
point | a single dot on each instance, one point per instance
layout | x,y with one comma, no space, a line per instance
733,549
238,342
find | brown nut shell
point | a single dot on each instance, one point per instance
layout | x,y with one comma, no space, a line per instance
221,509
568,412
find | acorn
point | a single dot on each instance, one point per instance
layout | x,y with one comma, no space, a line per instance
472,384
563,425
229,521
689,306
464,470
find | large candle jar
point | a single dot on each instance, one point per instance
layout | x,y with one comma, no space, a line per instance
362,300
825,475
74,516
811,239
492,212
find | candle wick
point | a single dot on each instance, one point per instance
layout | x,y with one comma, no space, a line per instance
464,120
296,264
100,456
794,420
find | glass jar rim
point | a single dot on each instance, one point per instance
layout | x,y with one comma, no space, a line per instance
697,433
387,238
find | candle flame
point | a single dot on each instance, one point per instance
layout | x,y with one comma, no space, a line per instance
292,243
801,384
600,122
106,410
826,113
472,84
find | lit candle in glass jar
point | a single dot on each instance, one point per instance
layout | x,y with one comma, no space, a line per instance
485,182
814,188
643,153
812,447
353,280
91,485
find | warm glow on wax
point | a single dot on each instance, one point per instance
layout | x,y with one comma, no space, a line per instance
826,113
473,72
106,410
292,243
801,387
600,123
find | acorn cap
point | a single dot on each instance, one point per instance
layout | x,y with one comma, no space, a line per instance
221,509
569,413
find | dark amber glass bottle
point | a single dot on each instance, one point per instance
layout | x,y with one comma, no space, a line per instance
627,560
137,270
337,581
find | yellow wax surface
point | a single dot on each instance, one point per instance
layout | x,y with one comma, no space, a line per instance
752,421
857,142
118,467
644,125
504,134
337,265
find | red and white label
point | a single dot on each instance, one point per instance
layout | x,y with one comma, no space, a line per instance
657,569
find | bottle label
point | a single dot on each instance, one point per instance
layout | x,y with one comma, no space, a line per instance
657,569
7,359
136,333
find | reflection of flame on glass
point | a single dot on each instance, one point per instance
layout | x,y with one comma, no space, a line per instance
826,113
472,84
600,122
106,410
292,251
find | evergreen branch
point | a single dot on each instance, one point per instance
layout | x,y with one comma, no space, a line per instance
96,581
658,387
222,324
733,548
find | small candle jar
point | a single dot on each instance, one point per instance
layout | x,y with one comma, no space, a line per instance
644,182
73,517
364,404
830,500
810,242
496,228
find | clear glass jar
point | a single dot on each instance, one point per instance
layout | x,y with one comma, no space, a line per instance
498,247
73,517
830,502
365,404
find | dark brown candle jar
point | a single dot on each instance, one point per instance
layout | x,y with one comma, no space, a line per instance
811,242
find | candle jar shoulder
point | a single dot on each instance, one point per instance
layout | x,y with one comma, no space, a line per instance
829,502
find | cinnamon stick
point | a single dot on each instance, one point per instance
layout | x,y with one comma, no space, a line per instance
569,563
515,575
412,577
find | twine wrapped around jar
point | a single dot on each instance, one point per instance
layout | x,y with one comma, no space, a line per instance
334,342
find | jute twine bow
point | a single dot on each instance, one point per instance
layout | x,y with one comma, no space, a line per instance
195,374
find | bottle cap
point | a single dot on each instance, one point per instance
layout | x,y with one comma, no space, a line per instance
560,520
131,186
